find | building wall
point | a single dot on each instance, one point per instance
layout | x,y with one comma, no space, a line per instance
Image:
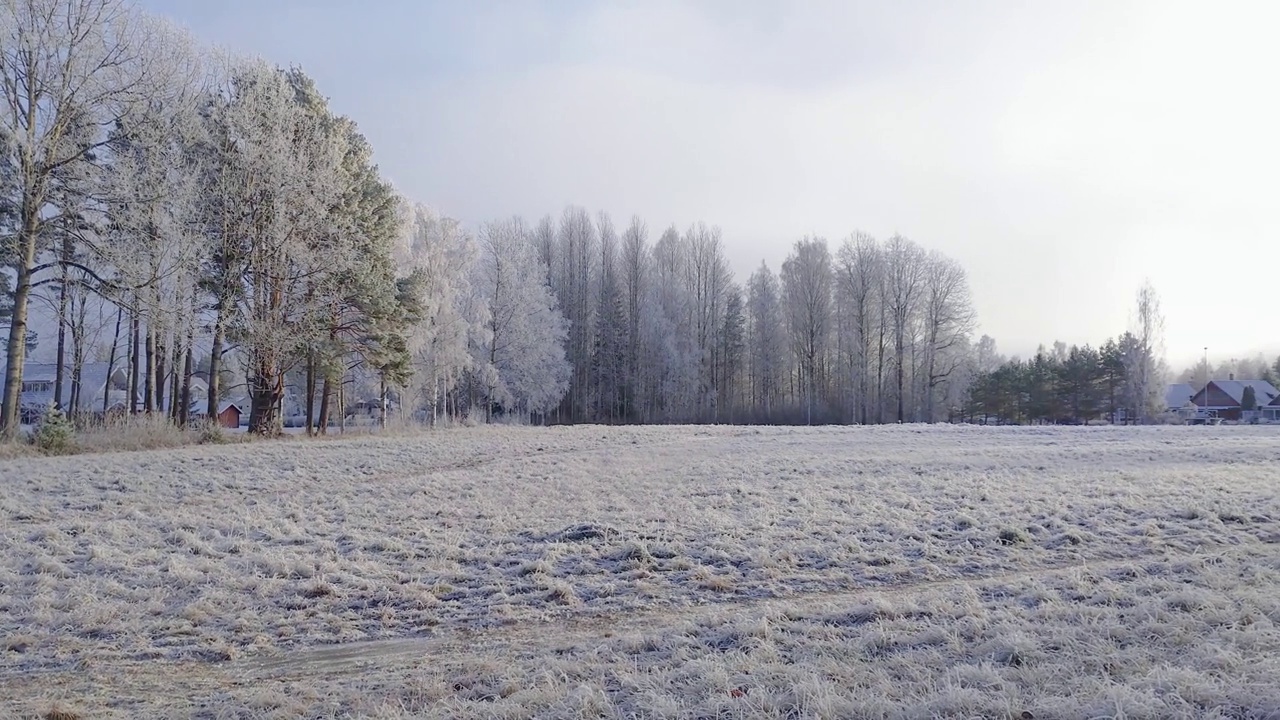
229,418
1217,399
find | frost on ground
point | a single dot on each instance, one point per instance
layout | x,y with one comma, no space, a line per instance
651,572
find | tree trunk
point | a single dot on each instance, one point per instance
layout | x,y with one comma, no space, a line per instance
326,392
175,383
111,363
77,353
17,347
215,365
149,378
60,372
135,360
162,375
184,409
311,393
382,401
266,390
342,404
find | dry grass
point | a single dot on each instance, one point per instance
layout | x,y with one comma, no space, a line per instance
652,572
14,449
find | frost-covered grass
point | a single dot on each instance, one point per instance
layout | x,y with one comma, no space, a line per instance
652,572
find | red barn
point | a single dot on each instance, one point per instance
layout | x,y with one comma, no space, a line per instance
229,412
229,415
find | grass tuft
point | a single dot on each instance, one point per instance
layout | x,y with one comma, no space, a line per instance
1012,536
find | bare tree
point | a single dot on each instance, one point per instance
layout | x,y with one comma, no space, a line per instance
707,278
574,269
69,70
806,289
904,278
1144,359
859,274
765,341
635,265
948,321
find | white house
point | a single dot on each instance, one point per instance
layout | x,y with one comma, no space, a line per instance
38,386
1178,396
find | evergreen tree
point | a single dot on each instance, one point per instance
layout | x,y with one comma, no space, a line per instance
1249,399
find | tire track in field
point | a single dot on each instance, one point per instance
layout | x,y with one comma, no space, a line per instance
127,689
589,626
532,454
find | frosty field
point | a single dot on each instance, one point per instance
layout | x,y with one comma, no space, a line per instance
670,572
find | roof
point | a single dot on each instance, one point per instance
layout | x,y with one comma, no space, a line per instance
1178,395
1264,392
200,407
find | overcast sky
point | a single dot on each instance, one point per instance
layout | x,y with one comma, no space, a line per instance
1061,151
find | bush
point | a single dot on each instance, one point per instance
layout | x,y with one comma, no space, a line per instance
55,435
132,432
211,433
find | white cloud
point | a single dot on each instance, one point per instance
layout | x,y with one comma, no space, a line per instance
1062,151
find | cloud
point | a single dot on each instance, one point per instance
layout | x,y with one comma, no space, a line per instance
1062,151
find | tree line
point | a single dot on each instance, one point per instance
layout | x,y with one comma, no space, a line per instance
659,331
182,212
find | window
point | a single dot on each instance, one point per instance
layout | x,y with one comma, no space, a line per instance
37,387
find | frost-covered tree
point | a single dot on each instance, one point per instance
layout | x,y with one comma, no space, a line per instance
574,269
766,342
904,282
858,270
633,279
439,344
279,172
707,279
806,292
520,362
1144,357
948,320
732,351
609,355
69,71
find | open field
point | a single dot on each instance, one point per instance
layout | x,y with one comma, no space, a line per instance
667,572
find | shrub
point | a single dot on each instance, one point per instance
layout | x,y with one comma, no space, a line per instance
55,435
132,432
211,433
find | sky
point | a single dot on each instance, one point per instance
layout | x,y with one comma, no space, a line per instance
1063,152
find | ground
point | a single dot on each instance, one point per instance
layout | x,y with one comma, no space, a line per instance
669,572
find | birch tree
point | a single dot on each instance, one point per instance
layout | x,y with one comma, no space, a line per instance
1144,356
948,321
575,268
634,280
806,290
523,362
444,254
765,341
707,279
859,274
904,278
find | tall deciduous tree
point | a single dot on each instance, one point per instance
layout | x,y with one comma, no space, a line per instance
806,289
522,359
69,69
766,342
1144,359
